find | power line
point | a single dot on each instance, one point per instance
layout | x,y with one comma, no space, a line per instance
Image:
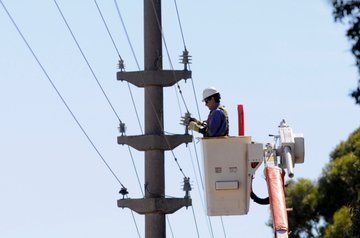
223,226
136,172
150,100
208,221
196,100
59,94
196,225
136,226
127,35
67,106
178,86
121,60
114,44
185,48
192,81
132,98
171,230
87,62
197,106
107,28
168,55
179,21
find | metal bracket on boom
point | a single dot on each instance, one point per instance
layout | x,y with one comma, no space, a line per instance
291,151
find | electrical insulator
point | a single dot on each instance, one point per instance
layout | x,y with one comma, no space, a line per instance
121,65
185,58
123,191
122,128
187,187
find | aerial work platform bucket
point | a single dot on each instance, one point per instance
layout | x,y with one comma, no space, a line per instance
229,164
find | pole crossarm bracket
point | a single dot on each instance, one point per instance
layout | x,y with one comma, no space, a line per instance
164,78
155,205
154,142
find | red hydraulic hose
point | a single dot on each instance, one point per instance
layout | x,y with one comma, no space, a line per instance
275,184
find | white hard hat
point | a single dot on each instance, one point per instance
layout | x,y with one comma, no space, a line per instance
209,92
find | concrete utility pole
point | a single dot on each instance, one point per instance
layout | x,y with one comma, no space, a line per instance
154,205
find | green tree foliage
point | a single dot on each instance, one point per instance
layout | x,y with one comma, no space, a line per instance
301,198
330,206
341,226
349,11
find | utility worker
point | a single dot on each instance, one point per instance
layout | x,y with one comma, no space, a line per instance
217,123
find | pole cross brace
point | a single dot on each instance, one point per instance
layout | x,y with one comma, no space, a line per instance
164,78
155,205
154,142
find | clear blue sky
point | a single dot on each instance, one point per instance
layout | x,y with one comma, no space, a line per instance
281,59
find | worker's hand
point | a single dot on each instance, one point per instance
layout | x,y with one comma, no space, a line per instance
201,124
194,126
192,119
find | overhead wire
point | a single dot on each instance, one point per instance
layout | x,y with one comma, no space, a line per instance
169,58
100,86
208,221
136,226
86,60
92,71
196,225
132,98
138,66
136,172
107,29
88,64
197,106
185,48
180,25
196,101
121,59
178,86
141,77
59,94
67,106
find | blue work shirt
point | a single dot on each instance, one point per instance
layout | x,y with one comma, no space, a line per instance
217,124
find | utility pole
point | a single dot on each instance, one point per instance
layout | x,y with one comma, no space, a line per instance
154,142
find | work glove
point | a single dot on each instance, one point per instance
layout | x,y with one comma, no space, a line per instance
194,126
192,119
201,124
